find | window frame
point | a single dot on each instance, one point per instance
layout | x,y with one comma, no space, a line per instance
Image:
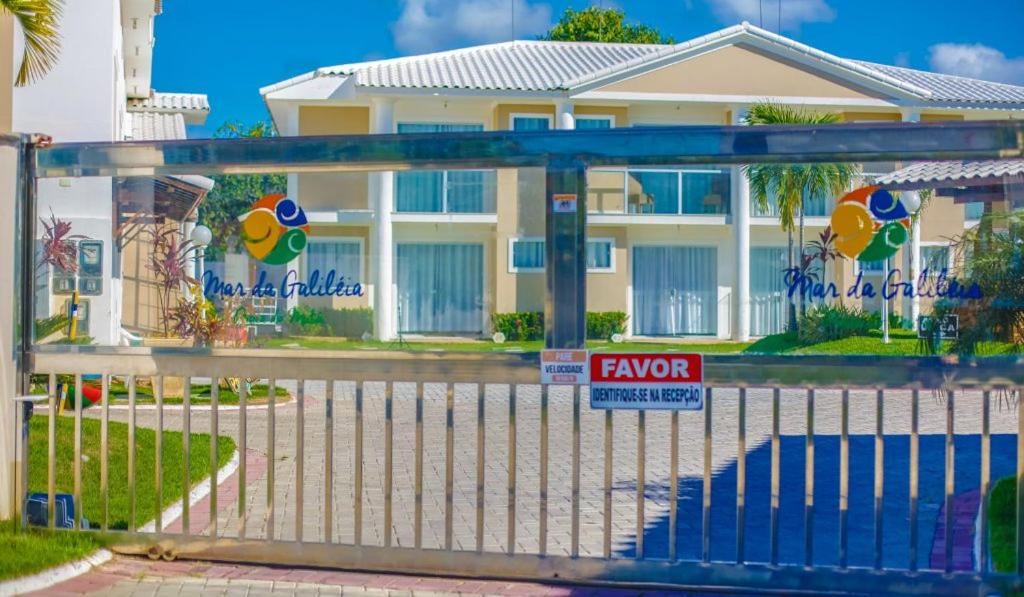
609,117
942,245
512,268
513,115
611,255
324,240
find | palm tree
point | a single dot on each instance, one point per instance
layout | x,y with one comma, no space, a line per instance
39,20
791,184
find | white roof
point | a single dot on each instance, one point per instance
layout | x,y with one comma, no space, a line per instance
194,106
157,126
952,172
548,66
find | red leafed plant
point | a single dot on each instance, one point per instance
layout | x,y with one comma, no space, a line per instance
169,263
59,246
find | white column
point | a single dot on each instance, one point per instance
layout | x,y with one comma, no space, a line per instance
288,124
741,236
9,432
565,118
382,198
912,308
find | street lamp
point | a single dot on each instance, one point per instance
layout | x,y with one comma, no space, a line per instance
201,236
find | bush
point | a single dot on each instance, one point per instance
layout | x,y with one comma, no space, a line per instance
824,323
529,325
603,325
348,323
305,321
520,326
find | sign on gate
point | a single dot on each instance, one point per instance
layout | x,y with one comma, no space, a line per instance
564,367
647,381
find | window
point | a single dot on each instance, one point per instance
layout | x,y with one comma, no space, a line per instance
934,258
343,255
974,211
527,255
586,122
678,191
816,205
444,191
531,122
871,267
601,255
88,280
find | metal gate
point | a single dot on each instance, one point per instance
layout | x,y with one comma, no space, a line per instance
446,463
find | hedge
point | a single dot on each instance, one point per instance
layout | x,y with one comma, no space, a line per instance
529,325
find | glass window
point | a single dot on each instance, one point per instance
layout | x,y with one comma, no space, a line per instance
816,205
526,255
871,266
344,256
974,211
531,123
600,254
653,192
706,192
675,290
440,287
934,258
593,122
444,191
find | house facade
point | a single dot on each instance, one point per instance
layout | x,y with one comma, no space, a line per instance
681,249
100,90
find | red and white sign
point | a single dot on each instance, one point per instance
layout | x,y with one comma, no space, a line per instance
563,203
564,367
656,381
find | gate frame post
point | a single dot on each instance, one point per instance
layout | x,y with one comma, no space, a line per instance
565,257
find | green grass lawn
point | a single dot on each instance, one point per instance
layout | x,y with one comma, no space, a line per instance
902,343
1002,521
200,394
34,550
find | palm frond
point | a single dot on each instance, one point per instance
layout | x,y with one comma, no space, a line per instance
39,19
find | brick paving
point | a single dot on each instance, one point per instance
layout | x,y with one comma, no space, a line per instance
137,577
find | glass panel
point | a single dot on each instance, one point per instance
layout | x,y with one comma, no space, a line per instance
706,192
440,288
768,291
471,191
653,192
531,123
934,258
815,205
419,191
599,254
675,290
593,123
974,211
528,254
424,191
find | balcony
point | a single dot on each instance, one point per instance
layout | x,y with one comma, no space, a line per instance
644,194
446,192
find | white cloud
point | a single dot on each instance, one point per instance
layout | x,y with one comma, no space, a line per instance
794,12
430,25
977,61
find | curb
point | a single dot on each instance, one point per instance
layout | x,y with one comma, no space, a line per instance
58,574
173,512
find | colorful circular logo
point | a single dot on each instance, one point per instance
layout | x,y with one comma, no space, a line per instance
275,229
870,224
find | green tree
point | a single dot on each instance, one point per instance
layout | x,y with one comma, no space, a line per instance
39,20
604,25
791,184
233,194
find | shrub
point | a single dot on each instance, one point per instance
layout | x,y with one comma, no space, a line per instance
823,323
604,324
520,325
348,323
529,325
304,321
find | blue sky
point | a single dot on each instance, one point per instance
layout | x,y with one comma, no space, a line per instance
228,49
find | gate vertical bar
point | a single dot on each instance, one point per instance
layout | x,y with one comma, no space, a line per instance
300,455
51,456
950,482
105,454
511,471
673,484
809,484
449,465
879,474
542,540
131,453
357,466
271,460
608,456
1020,482
243,440
914,470
481,425
986,458
741,475
214,453
158,449
565,210
844,479
329,462
776,473
186,448
418,490
388,458
574,540
77,468
706,513
641,480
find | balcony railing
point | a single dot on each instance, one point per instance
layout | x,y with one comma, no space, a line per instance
660,191
446,191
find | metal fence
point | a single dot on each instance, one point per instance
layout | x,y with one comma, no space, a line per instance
575,519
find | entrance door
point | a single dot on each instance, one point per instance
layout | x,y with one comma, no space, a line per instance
675,290
768,292
440,288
